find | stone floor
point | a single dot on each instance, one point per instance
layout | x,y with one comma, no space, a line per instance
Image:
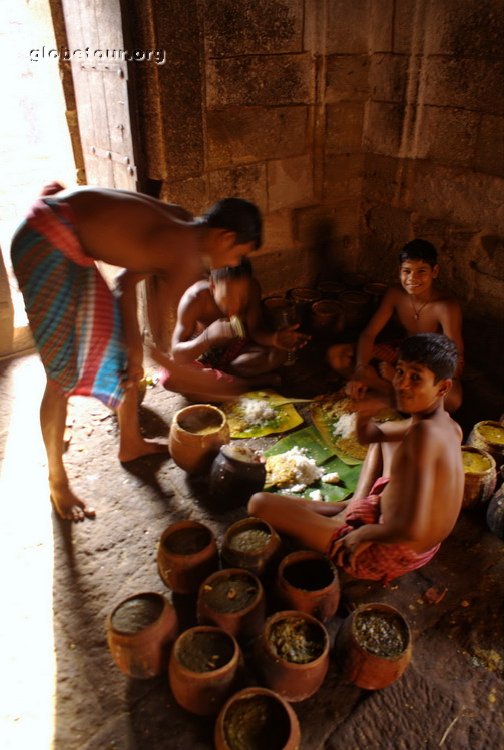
60,688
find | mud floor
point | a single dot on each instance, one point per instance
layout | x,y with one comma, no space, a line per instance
60,687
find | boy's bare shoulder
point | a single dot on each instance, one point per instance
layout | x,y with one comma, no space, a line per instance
199,291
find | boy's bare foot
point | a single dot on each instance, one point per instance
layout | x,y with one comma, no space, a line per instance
140,448
67,505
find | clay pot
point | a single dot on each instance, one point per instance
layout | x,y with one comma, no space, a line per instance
489,436
308,581
495,512
361,665
204,669
331,289
196,434
139,632
232,599
328,317
376,291
237,473
354,281
480,475
257,718
357,307
293,654
278,311
187,554
251,544
303,298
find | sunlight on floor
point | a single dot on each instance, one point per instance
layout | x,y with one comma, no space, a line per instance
27,662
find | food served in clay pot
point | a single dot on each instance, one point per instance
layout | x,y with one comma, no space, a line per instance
139,632
204,669
251,544
480,475
257,719
489,436
374,643
196,434
187,554
233,599
293,653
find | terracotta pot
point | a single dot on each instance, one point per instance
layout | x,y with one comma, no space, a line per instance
237,473
257,718
376,291
274,310
139,632
361,665
480,475
489,436
328,317
331,289
495,512
293,653
354,281
308,581
357,307
303,298
187,554
233,599
204,669
196,434
251,544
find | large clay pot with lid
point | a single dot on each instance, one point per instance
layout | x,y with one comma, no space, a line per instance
293,654
196,434
237,473
374,645
308,581
251,543
205,668
233,599
187,554
140,630
256,717
480,476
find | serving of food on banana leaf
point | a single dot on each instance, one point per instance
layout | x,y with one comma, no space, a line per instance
259,413
301,464
335,417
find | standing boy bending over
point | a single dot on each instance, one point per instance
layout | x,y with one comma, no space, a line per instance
216,354
418,308
410,491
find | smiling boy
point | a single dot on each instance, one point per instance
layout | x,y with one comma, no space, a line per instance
419,308
411,487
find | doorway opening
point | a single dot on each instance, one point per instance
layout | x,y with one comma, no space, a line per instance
35,146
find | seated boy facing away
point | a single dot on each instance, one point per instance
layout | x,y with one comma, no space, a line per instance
418,308
220,345
412,482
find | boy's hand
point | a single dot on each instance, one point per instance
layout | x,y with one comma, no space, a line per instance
370,407
348,549
290,339
356,389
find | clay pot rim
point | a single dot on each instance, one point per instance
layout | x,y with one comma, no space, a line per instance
261,460
486,454
236,527
356,294
186,524
245,574
381,607
331,304
286,614
233,661
252,692
195,407
299,555
148,628
492,423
